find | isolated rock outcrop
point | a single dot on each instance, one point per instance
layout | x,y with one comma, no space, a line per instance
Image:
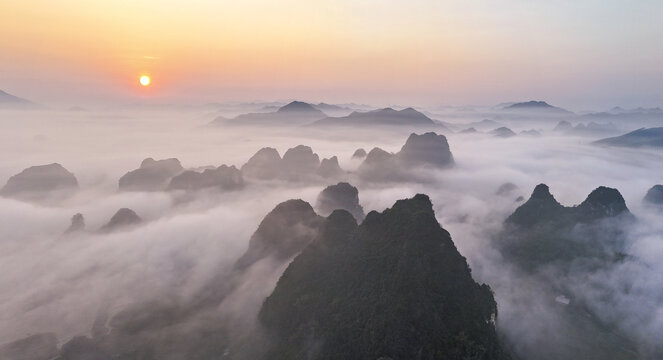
283,233
329,168
77,224
153,175
542,231
40,179
359,154
655,195
264,164
122,219
428,150
298,161
503,132
340,196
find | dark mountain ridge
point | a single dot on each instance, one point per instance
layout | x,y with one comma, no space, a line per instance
393,287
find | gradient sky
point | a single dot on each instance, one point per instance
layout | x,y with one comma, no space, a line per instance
579,54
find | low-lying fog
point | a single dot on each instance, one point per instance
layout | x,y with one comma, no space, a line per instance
54,283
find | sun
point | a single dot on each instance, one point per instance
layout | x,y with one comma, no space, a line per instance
144,80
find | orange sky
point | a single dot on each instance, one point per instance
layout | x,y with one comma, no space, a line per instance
419,51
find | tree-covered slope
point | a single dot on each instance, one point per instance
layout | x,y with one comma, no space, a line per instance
394,287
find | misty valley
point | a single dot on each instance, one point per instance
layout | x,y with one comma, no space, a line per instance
310,230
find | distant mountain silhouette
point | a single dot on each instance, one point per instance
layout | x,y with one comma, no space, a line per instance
591,128
394,287
294,113
152,175
541,106
386,116
333,110
485,124
530,132
470,130
9,101
223,177
651,137
40,179
503,132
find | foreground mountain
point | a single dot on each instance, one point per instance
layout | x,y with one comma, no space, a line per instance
394,287
35,181
380,117
294,113
651,137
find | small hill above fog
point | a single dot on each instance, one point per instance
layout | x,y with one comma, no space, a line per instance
39,179
542,231
394,287
386,116
359,154
538,106
340,196
330,168
294,113
503,132
223,177
152,175
298,163
77,224
283,233
655,195
9,101
428,150
651,137
122,219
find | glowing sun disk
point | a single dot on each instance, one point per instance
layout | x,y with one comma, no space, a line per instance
144,80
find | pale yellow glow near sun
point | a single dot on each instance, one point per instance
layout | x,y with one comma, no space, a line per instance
145,80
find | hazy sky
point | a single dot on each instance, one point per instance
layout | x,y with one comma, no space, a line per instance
579,54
